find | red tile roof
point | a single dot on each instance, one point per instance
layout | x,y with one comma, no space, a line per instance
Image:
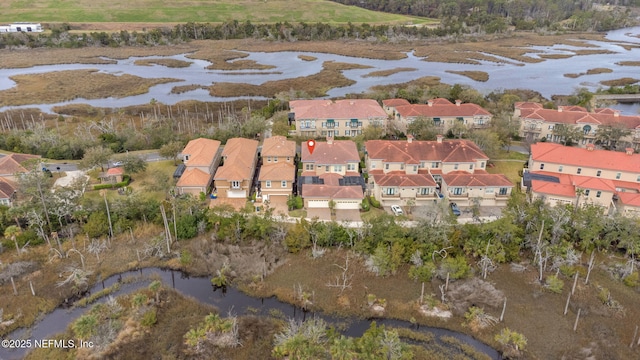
578,115
583,182
7,189
462,178
201,151
629,199
13,163
448,151
339,152
339,109
115,171
194,178
277,172
395,102
239,155
546,152
441,108
332,191
331,179
400,179
550,188
527,105
278,146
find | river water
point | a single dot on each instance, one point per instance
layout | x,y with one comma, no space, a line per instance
232,300
546,77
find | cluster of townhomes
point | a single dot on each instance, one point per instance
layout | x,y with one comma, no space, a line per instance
570,175
10,166
538,123
330,179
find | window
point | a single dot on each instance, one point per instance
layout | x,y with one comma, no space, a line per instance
422,164
436,121
267,183
586,192
424,191
618,175
548,136
560,168
550,127
337,168
373,165
390,191
482,165
489,190
186,158
288,158
347,133
457,191
284,183
598,173
308,167
415,168
586,129
435,165
352,167
235,184
470,166
638,178
503,191
541,166
579,171
386,166
327,168
402,166
455,167
275,159
598,194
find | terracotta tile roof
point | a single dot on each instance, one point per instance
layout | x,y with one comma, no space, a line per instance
400,179
453,151
546,152
194,178
115,171
12,163
332,191
239,155
331,179
462,178
395,102
626,185
527,105
277,172
278,146
339,109
441,108
339,152
201,151
550,188
629,199
578,181
577,115
7,189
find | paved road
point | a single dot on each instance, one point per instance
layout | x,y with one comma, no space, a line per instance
65,166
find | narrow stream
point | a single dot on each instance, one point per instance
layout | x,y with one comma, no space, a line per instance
232,300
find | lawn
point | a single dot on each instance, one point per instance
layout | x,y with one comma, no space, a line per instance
510,169
157,11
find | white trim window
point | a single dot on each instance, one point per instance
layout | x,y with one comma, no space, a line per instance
235,184
267,184
283,184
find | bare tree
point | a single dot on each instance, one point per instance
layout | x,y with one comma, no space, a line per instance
343,281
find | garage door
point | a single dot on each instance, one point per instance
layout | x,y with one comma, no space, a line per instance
318,203
237,194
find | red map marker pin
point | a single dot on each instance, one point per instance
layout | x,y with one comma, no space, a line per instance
311,145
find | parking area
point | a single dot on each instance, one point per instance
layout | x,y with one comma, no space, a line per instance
320,213
348,215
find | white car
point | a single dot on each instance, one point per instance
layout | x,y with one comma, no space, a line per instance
397,210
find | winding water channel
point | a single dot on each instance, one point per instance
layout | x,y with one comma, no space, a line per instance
547,77
233,300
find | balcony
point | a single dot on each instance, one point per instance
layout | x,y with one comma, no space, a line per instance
396,195
535,129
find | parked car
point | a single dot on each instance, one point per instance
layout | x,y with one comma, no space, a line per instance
397,210
455,209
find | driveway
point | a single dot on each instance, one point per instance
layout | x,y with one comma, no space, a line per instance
320,213
348,215
279,204
70,177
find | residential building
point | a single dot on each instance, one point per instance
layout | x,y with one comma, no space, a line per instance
441,111
234,178
278,170
112,175
331,176
420,172
200,158
537,123
8,192
315,118
13,164
569,175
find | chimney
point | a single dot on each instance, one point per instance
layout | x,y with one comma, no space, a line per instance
430,102
409,138
590,147
330,140
439,139
560,108
616,113
629,151
458,102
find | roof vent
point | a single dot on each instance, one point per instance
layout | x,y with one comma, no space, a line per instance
590,147
629,151
439,139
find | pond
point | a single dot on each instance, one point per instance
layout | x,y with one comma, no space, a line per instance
232,300
546,77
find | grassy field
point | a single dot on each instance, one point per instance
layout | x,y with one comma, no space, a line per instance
157,11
